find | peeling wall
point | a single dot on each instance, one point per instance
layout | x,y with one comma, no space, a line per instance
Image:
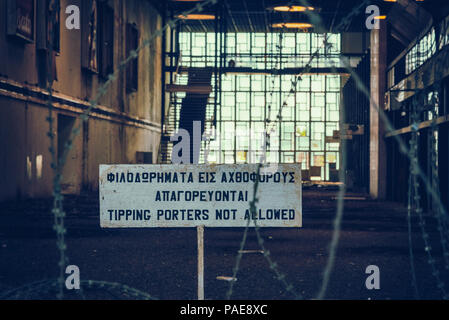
131,123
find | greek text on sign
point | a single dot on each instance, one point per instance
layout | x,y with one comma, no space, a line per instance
193,195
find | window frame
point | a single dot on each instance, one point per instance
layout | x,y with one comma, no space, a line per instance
12,27
89,36
106,28
132,69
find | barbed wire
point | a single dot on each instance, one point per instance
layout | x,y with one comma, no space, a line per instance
442,226
416,199
337,222
410,241
338,219
414,168
253,207
342,26
58,198
58,164
407,152
402,147
50,288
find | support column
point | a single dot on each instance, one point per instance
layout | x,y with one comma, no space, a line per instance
378,150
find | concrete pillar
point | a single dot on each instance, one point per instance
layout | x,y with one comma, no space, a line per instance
377,165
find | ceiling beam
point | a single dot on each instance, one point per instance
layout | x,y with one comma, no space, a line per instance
247,15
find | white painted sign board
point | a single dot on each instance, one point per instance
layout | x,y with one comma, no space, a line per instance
198,195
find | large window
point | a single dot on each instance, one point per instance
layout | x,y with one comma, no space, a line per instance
262,50
106,39
20,19
89,36
421,52
48,25
444,32
132,43
310,112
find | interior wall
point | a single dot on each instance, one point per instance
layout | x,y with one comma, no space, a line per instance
124,125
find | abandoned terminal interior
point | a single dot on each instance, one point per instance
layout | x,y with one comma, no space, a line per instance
356,92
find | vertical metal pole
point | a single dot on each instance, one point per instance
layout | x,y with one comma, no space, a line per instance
163,74
200,240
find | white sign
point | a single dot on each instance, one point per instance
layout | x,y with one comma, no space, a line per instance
198,195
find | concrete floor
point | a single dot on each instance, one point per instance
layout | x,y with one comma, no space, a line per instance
162,262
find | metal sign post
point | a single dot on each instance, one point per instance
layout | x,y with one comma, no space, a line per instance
200,240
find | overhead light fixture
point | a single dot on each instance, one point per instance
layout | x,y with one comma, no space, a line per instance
293,8
292,25
197,17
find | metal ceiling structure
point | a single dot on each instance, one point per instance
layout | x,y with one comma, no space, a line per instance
257,16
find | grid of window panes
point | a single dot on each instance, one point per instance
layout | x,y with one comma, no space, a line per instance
310,115
421,52
311,112
444,32
259,50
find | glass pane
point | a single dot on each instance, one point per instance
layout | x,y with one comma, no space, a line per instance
257,83
303,158
317,136
258,106
287,136
318,83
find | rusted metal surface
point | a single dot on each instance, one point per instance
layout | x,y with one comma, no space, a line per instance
149,196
